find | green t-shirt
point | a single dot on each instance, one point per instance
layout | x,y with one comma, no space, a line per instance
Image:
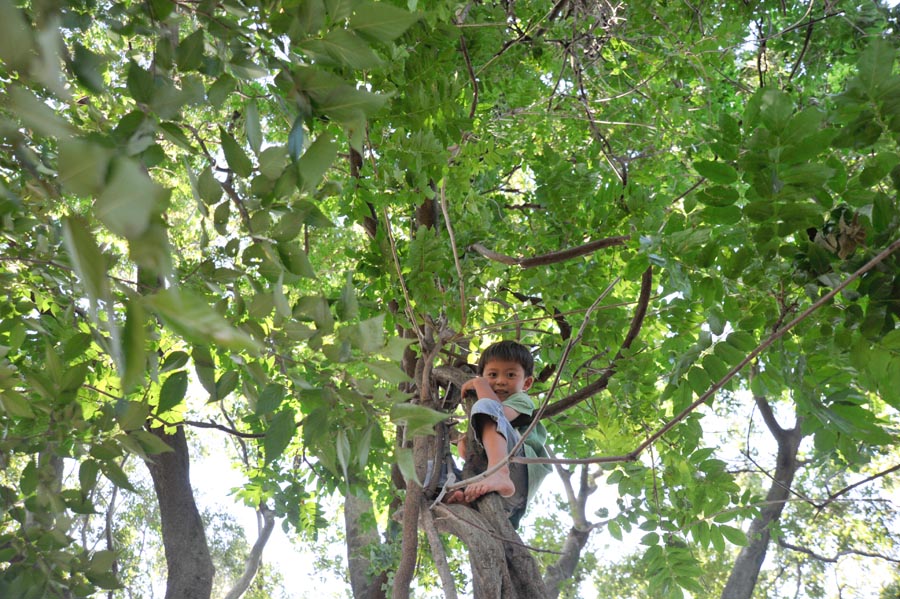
534,443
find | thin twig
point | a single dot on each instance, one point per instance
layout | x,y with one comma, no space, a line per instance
408,308
462,283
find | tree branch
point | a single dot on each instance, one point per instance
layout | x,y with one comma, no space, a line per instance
552,257
267,517
832,560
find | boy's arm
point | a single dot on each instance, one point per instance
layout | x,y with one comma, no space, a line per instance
482,389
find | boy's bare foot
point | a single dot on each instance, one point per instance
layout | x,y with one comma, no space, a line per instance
457,496
499,481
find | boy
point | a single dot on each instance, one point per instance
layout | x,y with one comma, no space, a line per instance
499,417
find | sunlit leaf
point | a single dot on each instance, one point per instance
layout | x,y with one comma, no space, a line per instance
279,435
194,318
380,21
419,420
129,199
237,159
173,390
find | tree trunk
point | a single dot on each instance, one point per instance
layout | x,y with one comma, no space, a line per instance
359,539
187,553
745,572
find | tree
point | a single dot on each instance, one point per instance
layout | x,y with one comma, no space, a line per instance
317,209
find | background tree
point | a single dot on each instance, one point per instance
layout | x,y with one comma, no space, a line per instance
315,210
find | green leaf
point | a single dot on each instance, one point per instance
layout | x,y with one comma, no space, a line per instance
282,307
131,415
252,127
87,475
715,367
339,10
614,529
776,109
133,353
234,155
272,161
279,435
381,21
140,83
226,383
407,464
83,166
209,189
88,262
387,371
35,114
346,48
342,447
205,367
316,160
174,361
348,305
174,134
129,199
15,404
419,420
150,443
270,399
368,335
116,475
194,319
295,260
295,139
735,536
173,391
875,64
189,55
347,104
16,37
717,172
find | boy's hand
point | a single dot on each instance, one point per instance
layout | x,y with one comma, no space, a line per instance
480,386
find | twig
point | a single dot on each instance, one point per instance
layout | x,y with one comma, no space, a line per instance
840,554
462,283
408,309
465,53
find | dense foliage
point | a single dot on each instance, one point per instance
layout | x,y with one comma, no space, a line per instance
251,217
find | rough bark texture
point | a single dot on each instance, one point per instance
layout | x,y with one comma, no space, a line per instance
745,571
190,567
359,539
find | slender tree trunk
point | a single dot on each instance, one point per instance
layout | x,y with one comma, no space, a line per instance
745,572
187,553
359,538
564,568
266,522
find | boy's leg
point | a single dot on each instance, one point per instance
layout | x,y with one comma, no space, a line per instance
496,447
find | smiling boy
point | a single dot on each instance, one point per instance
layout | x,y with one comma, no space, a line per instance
499,417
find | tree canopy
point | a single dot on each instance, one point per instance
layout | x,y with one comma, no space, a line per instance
295,222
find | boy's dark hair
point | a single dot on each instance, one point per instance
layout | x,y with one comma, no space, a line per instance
508,350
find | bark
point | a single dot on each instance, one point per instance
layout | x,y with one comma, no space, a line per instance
190,568
359,539
502,566
577,538
745,572
267,521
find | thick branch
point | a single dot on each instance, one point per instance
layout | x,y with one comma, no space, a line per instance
552,257
637,321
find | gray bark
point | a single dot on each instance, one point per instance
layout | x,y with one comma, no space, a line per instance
190,568
254,559
745,572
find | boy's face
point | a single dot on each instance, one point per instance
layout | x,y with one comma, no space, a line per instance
506,377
